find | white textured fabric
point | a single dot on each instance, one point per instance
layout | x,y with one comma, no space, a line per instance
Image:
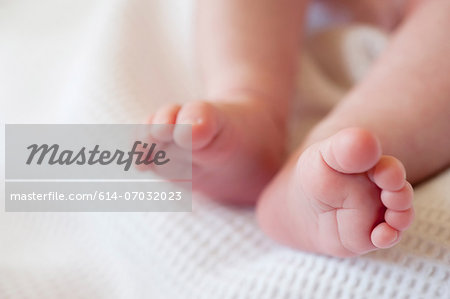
115,61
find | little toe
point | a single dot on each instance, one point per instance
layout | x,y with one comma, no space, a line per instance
163,121
351,150
388,174
400,220
384,236
166,114
400,200
206,123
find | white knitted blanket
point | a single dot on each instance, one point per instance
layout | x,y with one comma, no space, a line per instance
115,61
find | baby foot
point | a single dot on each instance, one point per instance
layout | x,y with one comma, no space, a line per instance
236,146
341,198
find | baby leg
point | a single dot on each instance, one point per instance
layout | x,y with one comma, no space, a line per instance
247,51
341,194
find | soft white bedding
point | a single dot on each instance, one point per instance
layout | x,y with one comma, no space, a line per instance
115,61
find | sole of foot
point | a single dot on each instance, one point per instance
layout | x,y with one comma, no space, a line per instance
341,197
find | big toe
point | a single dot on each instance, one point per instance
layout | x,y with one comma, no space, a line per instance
206,121
352,150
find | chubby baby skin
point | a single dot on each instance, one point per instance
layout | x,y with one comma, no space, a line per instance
347,189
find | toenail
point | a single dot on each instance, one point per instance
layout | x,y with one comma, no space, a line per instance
199,121
192,120
396,237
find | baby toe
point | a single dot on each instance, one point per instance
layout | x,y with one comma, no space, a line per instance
206,123
384,236
164,120
352,150
399,220
388,174
400,200
166,114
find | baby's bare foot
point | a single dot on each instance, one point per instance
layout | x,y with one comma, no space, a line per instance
236,146
341,198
